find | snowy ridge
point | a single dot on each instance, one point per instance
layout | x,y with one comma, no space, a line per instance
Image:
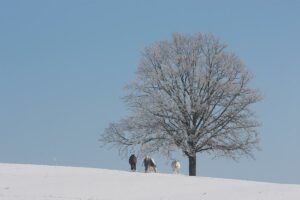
36,182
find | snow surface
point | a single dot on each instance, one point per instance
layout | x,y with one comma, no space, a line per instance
35,182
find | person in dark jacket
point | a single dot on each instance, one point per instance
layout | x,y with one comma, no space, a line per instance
132,162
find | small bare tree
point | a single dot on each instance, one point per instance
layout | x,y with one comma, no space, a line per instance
189,95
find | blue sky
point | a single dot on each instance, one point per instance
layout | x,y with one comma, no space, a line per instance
63,66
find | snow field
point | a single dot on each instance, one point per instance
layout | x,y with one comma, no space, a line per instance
36,182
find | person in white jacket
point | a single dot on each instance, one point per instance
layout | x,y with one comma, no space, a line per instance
175,166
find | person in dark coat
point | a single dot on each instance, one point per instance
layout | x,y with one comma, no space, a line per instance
132,162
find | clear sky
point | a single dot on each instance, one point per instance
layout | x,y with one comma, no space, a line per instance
63,66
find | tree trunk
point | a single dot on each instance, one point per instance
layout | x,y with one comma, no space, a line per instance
192,165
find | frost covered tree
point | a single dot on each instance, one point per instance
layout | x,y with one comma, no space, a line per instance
192,95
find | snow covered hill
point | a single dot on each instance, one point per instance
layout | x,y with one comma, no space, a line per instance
35,182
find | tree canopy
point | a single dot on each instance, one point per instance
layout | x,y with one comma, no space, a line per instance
192,95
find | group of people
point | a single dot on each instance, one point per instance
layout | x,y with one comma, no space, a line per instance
150,165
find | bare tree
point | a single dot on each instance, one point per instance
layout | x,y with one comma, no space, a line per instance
189,95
